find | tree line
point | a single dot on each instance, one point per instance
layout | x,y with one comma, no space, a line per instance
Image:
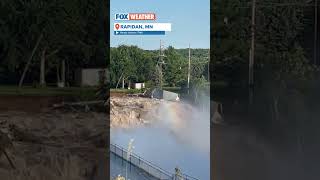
286,91
283,35
46,41
133,64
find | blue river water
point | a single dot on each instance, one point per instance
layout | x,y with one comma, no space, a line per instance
167,150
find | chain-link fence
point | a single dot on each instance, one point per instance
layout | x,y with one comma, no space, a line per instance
147,166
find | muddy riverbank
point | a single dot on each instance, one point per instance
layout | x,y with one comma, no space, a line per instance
54,145
29,103
130,112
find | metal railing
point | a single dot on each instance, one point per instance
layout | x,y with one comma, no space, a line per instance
147,166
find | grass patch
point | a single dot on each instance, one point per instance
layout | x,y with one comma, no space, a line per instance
126,91
132,91
83,93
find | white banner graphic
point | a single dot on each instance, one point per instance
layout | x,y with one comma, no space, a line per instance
142,27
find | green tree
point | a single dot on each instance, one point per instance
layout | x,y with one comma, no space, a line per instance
278,41
174,69
231,35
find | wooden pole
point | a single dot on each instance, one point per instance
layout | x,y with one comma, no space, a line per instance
209,65
251,60
43,68
315,32
63,72
29,60
189,64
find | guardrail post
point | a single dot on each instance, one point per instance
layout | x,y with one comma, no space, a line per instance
122,152
130,163
122,156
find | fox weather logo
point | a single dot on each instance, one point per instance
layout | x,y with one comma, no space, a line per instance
138,28
134,16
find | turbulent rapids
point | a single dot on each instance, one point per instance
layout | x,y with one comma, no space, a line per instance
178,132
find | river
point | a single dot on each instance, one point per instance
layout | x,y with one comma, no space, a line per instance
182,141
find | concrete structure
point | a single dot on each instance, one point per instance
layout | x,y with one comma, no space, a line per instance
166,95
91,77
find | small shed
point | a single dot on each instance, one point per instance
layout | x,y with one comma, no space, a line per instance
138,86
91,76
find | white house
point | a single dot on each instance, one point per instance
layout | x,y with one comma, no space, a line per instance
91,76
138,85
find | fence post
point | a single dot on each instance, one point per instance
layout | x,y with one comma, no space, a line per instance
139,161
130,163
122,152
122,155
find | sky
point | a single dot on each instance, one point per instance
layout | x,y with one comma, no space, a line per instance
190,23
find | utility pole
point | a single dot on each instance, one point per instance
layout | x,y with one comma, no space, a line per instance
209,65
189,64
315,32
251,60
160,64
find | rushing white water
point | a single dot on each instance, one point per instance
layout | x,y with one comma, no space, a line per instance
179,137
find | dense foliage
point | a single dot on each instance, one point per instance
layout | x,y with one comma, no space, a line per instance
285,96
280,51
69,31
138,65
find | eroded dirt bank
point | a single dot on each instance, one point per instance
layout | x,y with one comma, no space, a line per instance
129,112
54,145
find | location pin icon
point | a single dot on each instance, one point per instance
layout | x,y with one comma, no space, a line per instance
117,26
